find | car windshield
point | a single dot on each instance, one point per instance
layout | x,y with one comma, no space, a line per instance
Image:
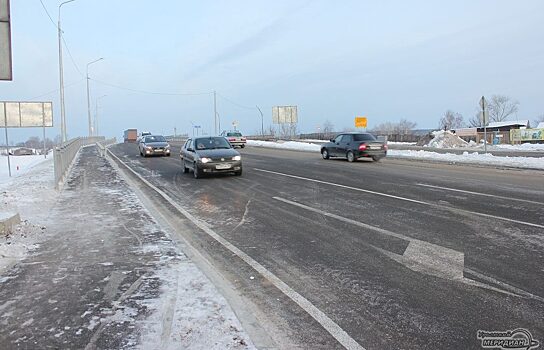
234,134
364,137
211,143
149,139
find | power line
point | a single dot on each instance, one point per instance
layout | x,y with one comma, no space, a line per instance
71,57
235,103
57,90
151,92
48,15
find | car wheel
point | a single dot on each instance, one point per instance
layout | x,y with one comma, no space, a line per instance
376,158
238,173
243,146
325,153
351,157
168,155
196,172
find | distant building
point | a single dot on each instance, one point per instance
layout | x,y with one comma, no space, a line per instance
23,151
499,132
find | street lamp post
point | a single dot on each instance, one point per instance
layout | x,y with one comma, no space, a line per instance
262,121
89,98
61,79
96,115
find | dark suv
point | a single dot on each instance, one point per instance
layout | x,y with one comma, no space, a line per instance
353,146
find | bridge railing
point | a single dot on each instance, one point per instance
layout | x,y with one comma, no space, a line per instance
64,155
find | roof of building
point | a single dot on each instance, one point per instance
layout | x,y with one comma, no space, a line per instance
508,123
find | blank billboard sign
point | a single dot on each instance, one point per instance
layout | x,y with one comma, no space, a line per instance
5,41
26,114
284,115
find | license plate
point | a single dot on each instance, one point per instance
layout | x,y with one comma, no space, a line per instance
222,166
375,147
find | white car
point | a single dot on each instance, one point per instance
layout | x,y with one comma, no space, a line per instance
235,138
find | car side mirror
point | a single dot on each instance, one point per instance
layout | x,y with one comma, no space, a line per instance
331,140
190,150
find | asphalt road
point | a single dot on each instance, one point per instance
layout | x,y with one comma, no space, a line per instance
397,254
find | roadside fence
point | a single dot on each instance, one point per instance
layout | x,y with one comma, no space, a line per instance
64,155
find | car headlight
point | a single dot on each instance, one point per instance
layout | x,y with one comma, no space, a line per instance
205,160
149,148
237,158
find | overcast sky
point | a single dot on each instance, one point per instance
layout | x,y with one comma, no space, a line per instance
333,59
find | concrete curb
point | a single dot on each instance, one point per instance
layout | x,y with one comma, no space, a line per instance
7,222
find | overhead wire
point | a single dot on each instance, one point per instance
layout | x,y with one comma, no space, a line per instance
151,92
57,90
235,103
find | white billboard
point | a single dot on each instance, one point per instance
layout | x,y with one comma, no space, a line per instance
26,114
284,115
5,41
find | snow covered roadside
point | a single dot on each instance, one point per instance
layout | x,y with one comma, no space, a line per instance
468,158
29,192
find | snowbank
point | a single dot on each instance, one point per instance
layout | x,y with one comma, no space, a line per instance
446,139
466,157
19,165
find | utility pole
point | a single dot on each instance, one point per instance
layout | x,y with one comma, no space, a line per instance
262,121
89,98
215,111
483,104
61,79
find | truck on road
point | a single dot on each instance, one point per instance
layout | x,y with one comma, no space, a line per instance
130,135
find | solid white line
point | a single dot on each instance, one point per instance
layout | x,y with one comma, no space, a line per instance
344,186
404,199
332,327
480,194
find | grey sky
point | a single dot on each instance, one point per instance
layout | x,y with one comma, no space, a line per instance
335,60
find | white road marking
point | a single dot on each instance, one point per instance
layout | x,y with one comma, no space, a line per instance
332,327
480,194
404,199
429,258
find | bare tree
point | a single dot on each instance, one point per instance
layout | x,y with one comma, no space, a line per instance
404,126
451,120
538,120
500,107
388,128
328,127
475,121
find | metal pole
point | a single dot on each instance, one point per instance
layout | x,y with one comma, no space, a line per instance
262,121
7,142
43,125
215,111
89,98
61,79
485,125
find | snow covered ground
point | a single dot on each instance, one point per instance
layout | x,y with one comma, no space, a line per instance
200,316
29,192
469,158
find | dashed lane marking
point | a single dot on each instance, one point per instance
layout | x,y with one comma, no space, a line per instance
463,211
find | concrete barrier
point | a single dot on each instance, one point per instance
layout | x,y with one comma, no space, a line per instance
7,222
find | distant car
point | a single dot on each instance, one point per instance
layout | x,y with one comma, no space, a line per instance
235,138
207,155
142,134
154,145
354,145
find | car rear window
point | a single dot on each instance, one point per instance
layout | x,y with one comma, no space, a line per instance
155,139
364,137
237,134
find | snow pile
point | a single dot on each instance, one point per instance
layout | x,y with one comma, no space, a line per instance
523,146
472,158
290,145
446,139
